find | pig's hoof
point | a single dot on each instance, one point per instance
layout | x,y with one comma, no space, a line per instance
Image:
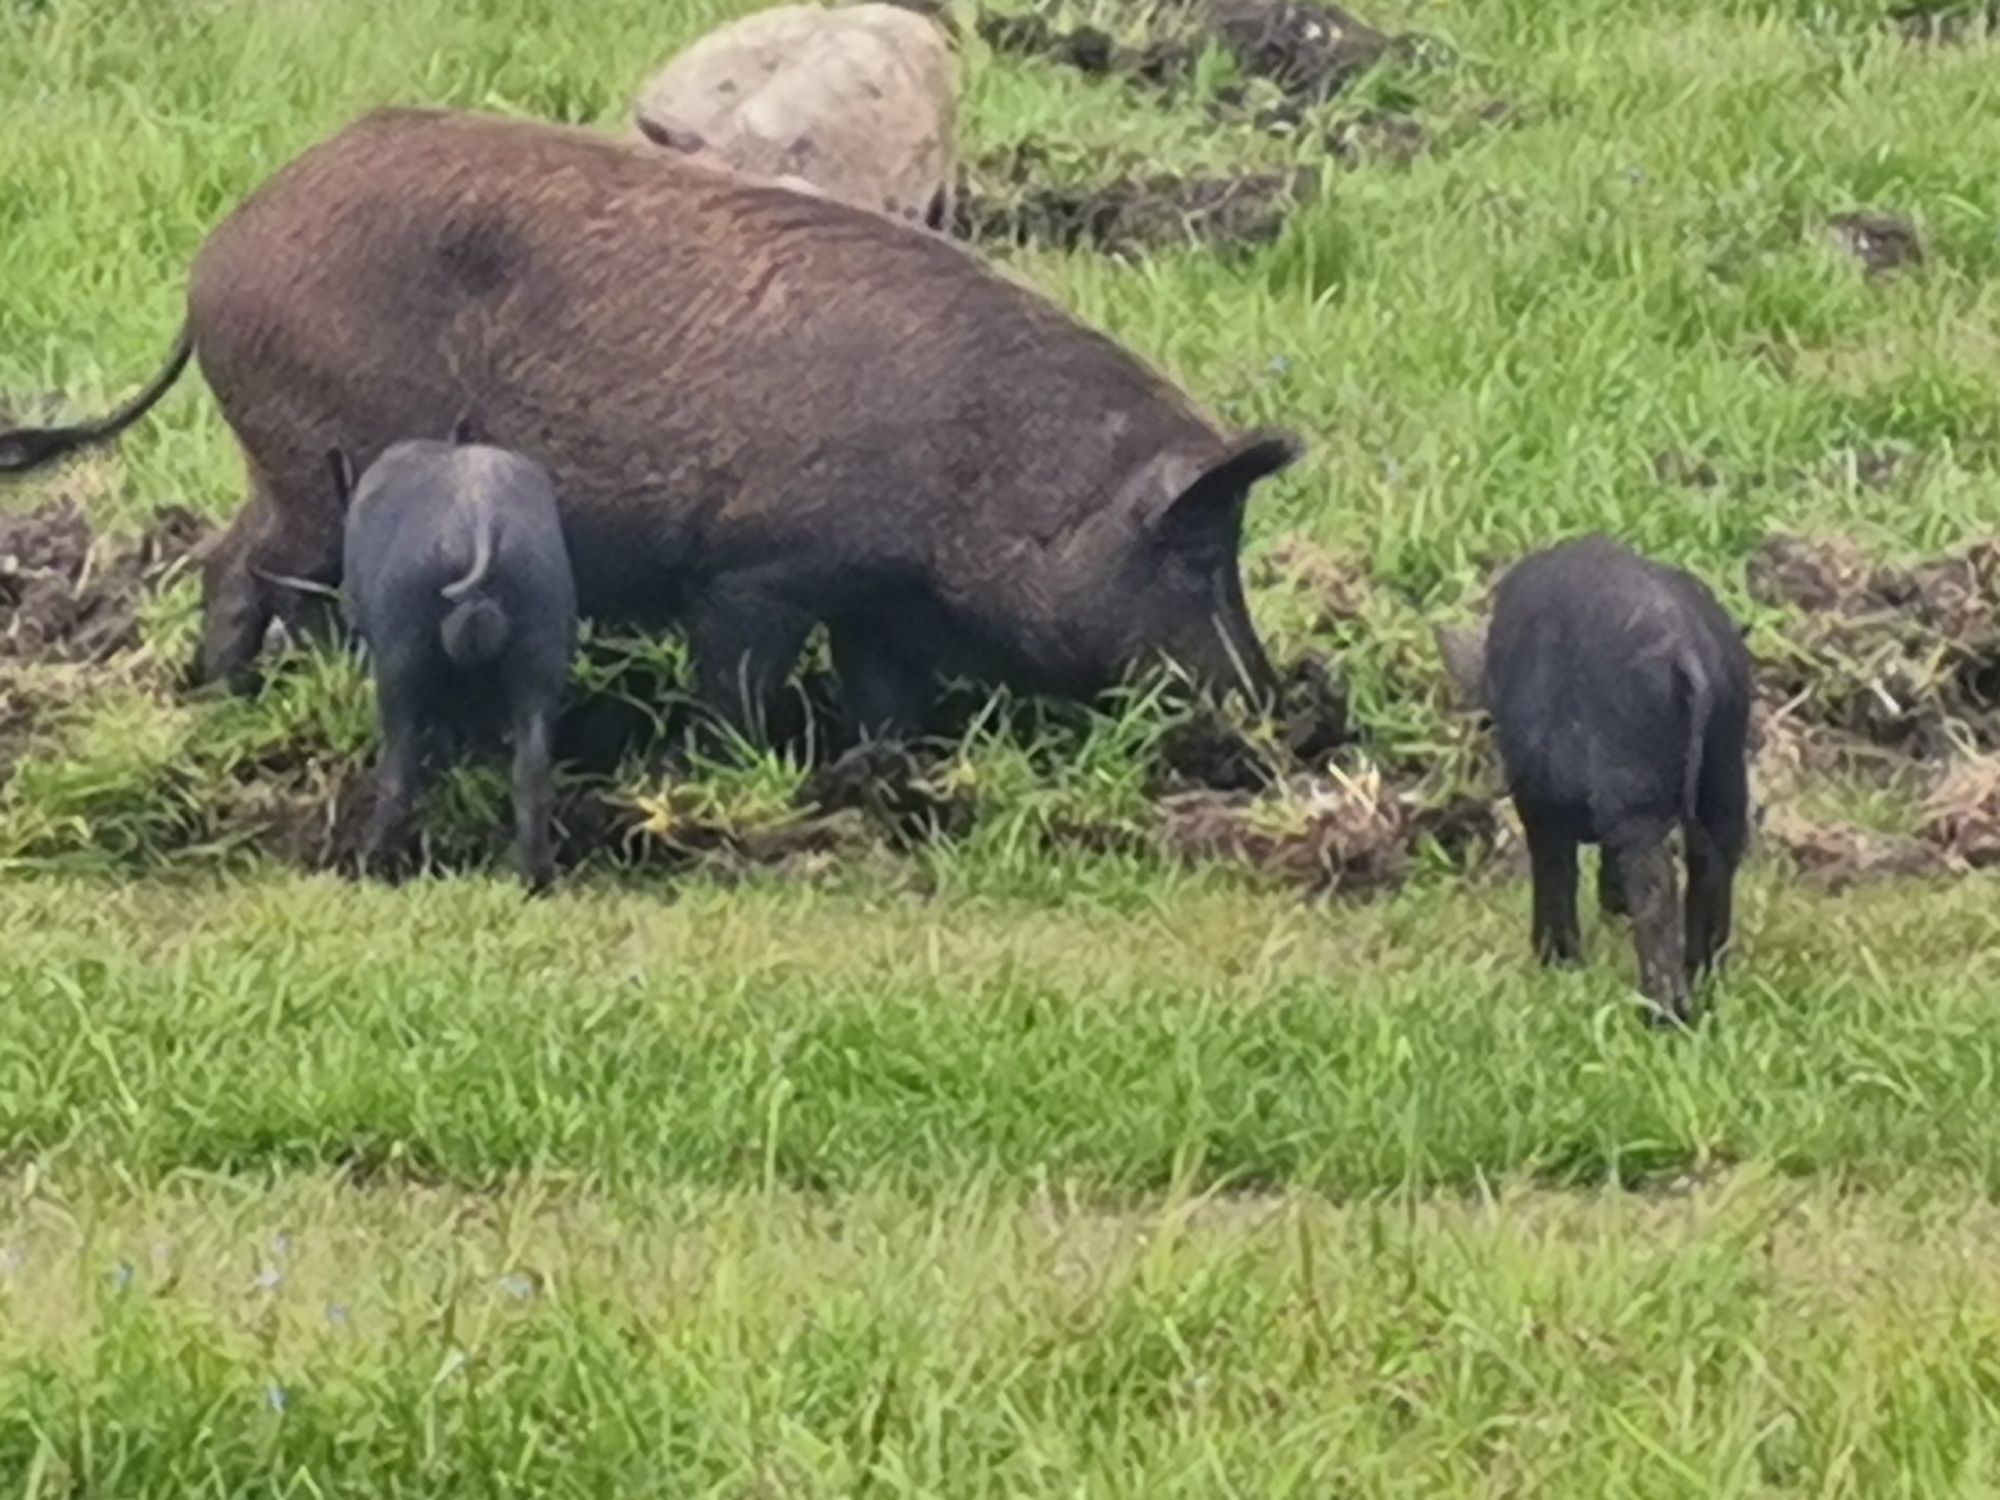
381,867
1671,1016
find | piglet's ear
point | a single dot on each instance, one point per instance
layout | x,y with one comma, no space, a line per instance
1463,648
341,467
1217,493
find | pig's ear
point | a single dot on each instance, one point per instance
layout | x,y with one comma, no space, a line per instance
1463,648
1218,492
341,467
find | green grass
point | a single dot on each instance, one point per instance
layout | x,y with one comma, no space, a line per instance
813,1192
997,1167
1744,1337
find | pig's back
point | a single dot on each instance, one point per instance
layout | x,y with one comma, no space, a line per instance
771,357
414,525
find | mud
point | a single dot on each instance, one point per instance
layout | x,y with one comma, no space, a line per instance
1836,857
1905,658
1881,242
67,595
1002,201
1887,669
1304,53
1949,25
1351,834
1311,52
1888,674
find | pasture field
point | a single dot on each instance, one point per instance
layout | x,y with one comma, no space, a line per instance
1122,1130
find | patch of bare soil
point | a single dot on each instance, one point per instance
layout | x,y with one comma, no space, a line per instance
68,595
1310,51
1881,242
1836,856
1949,25
1906,658
1890,674
1324,833
1306,53
1000,201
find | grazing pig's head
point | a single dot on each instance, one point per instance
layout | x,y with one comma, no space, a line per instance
1167,581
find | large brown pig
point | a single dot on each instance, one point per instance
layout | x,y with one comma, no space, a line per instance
787,411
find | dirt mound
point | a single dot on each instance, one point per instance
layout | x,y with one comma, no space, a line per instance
1309,51
1886,674
1000,201
1839,856
1327,833
1947,24
1902,657
68,595
1088,49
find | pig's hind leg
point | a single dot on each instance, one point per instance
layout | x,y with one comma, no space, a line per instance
1552,860
402,710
